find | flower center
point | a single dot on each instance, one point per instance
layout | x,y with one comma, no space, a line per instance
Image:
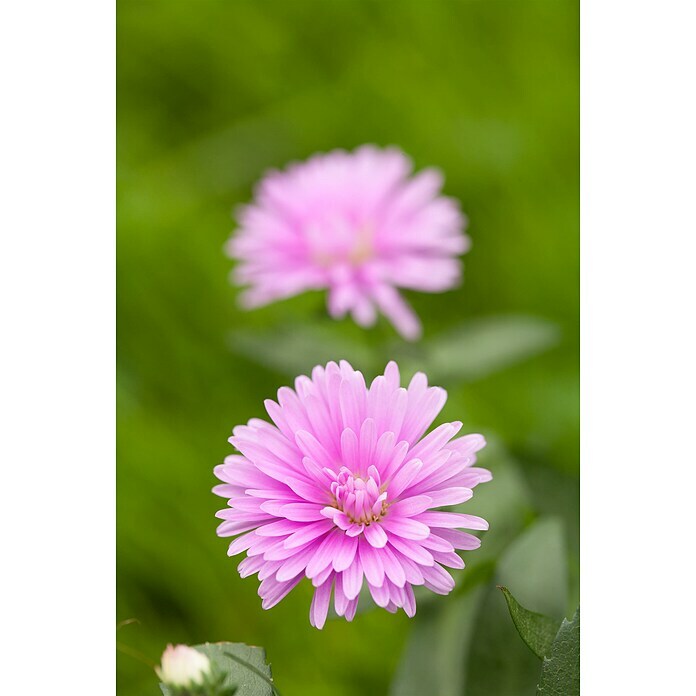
362,249
359,497
354,250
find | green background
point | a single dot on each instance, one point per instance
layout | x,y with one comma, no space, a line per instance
211,95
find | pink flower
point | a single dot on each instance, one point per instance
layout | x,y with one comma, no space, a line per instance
341,490
356,224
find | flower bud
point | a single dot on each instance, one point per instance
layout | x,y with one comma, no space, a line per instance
183,666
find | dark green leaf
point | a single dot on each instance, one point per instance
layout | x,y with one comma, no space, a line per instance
244,666
536,630
560,673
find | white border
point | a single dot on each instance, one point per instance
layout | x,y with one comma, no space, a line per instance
638,345
57,284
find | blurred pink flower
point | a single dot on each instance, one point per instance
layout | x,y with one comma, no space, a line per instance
341,489
356,224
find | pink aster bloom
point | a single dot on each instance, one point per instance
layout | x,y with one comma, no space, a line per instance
357,224
343,490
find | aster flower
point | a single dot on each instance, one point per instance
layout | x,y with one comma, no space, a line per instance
342,490
356,224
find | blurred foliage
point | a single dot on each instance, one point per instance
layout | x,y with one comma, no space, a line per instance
211,94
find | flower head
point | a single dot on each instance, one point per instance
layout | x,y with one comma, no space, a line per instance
183,667
341,490
356,224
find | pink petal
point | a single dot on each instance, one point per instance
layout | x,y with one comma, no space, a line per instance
279,528
323,576
452,520
296,564
375,535
438,579
251,565
353,578
412,550
436,543
302,512
345,553
371,563
409,602
393,569
408,507
324,554
450,496
398,311
311,447
241,543
271,591
459,540
350,449
380,593
435,440
368,440
450,559
320,604
403,477
307,533
341,601
405,527
351,609
396,412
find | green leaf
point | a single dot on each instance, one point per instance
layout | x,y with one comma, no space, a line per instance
432,660
244,666
536,630
560,673
479,347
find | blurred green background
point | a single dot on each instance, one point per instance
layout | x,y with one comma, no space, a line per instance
212,94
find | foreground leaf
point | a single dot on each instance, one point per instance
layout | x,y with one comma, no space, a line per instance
560,673
536,630
244,665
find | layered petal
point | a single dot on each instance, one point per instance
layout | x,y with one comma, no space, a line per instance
345,488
